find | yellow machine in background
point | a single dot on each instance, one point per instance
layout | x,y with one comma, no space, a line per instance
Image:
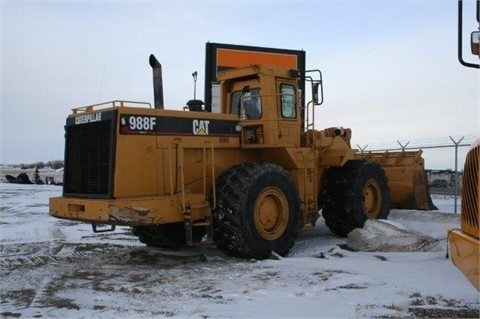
465,242
246,172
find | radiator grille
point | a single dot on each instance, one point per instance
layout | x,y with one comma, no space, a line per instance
470,194
89,159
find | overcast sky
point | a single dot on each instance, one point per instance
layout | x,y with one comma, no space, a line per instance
390,68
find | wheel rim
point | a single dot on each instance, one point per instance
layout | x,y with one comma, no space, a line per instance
271,213
372,198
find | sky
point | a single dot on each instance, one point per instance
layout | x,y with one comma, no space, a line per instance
390,68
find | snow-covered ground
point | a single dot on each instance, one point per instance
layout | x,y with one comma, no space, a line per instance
58,268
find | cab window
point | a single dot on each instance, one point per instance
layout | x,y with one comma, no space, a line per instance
288,99
252,103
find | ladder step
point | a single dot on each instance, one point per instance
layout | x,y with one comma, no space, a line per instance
200,224
199,205
189,224
209,241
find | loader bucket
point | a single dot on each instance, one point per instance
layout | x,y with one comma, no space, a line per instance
407,178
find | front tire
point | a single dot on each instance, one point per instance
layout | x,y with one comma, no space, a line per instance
352,194
257,211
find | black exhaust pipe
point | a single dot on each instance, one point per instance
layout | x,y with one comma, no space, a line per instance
157,81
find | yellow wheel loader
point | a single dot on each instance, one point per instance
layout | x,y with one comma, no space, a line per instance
246,170
464,243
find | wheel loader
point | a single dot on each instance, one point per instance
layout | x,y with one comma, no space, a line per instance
464,242
246,171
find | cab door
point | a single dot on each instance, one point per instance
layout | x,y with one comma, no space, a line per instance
289,119
246,100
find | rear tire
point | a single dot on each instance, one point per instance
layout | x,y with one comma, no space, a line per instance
167,236
352,194
257,211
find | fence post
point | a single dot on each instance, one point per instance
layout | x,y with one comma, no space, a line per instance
456,170
362,149
403,146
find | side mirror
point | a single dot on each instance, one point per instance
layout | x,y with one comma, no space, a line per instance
317,92
474,42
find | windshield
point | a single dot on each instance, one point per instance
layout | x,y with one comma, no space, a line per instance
252,103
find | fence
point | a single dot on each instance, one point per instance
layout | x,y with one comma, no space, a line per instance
442,156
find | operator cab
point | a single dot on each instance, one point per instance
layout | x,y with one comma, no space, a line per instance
267,102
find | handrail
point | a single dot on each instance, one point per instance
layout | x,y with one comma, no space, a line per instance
213,178
309,122
180,169
114,103
315,82
207,147
182,176
179,162
204,160
170,169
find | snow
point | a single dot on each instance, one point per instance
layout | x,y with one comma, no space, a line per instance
60,269
387,236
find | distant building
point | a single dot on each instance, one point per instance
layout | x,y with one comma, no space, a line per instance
435,176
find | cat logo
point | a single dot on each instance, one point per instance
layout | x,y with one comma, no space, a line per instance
200,127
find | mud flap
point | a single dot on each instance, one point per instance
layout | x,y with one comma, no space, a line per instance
407,178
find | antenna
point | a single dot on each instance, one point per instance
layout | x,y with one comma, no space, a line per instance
194,74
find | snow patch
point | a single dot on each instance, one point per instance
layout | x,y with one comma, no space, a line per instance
388,236
54,268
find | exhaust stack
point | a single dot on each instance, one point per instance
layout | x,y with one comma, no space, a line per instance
157,82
